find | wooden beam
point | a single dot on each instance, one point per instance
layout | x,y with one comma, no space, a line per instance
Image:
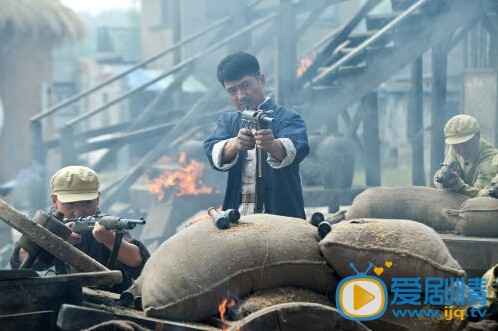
438,106
494,36
416,123
371,142
286,67
47,240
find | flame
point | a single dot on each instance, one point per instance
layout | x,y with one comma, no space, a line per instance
225,303
187,180
306,62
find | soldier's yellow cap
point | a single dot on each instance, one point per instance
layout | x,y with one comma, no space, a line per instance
75,183
460,128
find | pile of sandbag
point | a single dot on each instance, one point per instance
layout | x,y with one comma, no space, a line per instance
397,249
266,260
188,276
441,210
426,205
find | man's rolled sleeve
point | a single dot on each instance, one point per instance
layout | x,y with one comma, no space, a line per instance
217,156
290,155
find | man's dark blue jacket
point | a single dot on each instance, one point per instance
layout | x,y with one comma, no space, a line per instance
283,195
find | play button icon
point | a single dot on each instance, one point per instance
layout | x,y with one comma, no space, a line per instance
361,297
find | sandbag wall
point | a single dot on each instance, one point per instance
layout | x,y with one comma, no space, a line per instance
392,248
188,276
442,210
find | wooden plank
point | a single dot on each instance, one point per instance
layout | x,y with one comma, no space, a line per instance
37,320
47,240
475,254
97,278
77,318
36,294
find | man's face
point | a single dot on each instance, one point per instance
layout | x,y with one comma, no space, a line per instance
247,92
76,209
467,149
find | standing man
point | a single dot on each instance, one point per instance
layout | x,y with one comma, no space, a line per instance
232,148
75,193
471,158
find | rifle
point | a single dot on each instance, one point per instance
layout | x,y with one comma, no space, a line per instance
86,224
258,120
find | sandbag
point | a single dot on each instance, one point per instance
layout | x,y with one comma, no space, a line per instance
478,217
417,203
397,248
190,274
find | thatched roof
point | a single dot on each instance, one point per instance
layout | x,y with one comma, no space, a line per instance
46,19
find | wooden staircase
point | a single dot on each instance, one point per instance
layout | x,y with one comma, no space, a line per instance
357,63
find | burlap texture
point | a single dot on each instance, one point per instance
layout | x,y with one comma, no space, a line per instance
414,249
417,203
268,298
188,276
478,217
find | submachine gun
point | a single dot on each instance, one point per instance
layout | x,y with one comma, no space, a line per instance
86,224
446,172
258,120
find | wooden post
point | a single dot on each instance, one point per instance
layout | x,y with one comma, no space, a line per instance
240,14
37,189
494,36
438,107
68,150
176,29
285,68
416,123
371,142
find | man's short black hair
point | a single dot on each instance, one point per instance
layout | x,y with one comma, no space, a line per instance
237,65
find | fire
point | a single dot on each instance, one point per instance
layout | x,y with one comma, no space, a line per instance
224,305
306,62
187,180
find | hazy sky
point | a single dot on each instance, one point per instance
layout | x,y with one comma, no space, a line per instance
97,6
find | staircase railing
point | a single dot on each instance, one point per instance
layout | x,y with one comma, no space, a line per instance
369,41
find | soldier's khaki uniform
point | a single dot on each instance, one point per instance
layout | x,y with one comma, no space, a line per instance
476,173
